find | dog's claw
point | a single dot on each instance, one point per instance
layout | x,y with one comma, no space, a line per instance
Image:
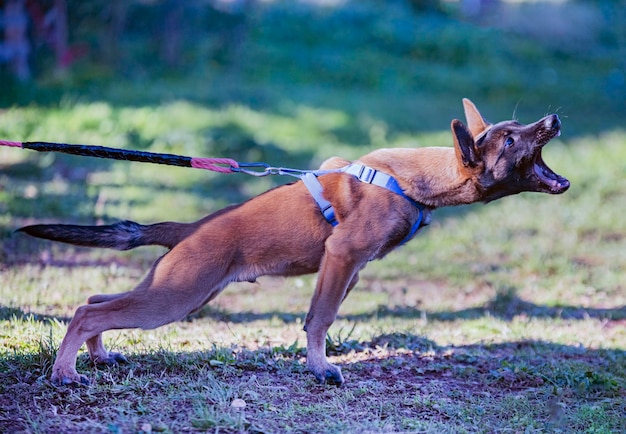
331,375
70,381
334,378
112,359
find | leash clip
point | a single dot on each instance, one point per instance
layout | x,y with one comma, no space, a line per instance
252,169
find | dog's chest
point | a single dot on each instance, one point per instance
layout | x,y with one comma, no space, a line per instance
423,220
387,248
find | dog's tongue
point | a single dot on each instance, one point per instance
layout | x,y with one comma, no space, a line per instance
546,177
555,182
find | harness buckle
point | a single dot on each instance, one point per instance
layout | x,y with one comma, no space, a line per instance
329,214
367,174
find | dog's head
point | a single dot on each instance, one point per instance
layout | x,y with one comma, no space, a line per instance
505,158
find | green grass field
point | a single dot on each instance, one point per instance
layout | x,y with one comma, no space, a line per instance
506,317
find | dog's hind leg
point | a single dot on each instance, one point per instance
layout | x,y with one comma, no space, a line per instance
101,298
145,308
99,354
87,326
169,293
97,351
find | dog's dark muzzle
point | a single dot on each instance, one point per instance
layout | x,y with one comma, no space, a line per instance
554,123
548,128
550,182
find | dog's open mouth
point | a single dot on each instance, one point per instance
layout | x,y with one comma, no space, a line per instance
554,182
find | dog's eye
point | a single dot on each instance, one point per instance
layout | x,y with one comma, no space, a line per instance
508,142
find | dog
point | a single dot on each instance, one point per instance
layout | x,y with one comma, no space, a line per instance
334,223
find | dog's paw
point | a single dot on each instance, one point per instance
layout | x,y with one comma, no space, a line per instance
330,374
72,377
111,359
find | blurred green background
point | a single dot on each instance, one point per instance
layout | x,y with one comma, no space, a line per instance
406,62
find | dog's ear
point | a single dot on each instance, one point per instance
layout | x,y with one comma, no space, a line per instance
475,122
464,145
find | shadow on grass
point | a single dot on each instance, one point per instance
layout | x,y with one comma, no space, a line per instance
387,358
503,306
13,313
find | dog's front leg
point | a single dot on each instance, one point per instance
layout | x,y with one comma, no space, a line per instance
338,274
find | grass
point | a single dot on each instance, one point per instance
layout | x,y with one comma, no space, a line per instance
503,317
508,317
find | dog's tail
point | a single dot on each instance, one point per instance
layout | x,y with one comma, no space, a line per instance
123,235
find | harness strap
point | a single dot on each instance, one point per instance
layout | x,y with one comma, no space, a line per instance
372,176
316,189
381,179
364,174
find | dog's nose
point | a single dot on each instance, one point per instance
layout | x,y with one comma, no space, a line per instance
553,122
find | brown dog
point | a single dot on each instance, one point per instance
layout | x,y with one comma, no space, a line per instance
282,232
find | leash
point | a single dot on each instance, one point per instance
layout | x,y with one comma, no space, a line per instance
227,165
220,165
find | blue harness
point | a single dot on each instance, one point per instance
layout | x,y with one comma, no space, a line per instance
363,174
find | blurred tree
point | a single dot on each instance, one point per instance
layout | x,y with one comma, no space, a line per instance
171,36
426,5
229,22
63,56
116,13
15,46
121,35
